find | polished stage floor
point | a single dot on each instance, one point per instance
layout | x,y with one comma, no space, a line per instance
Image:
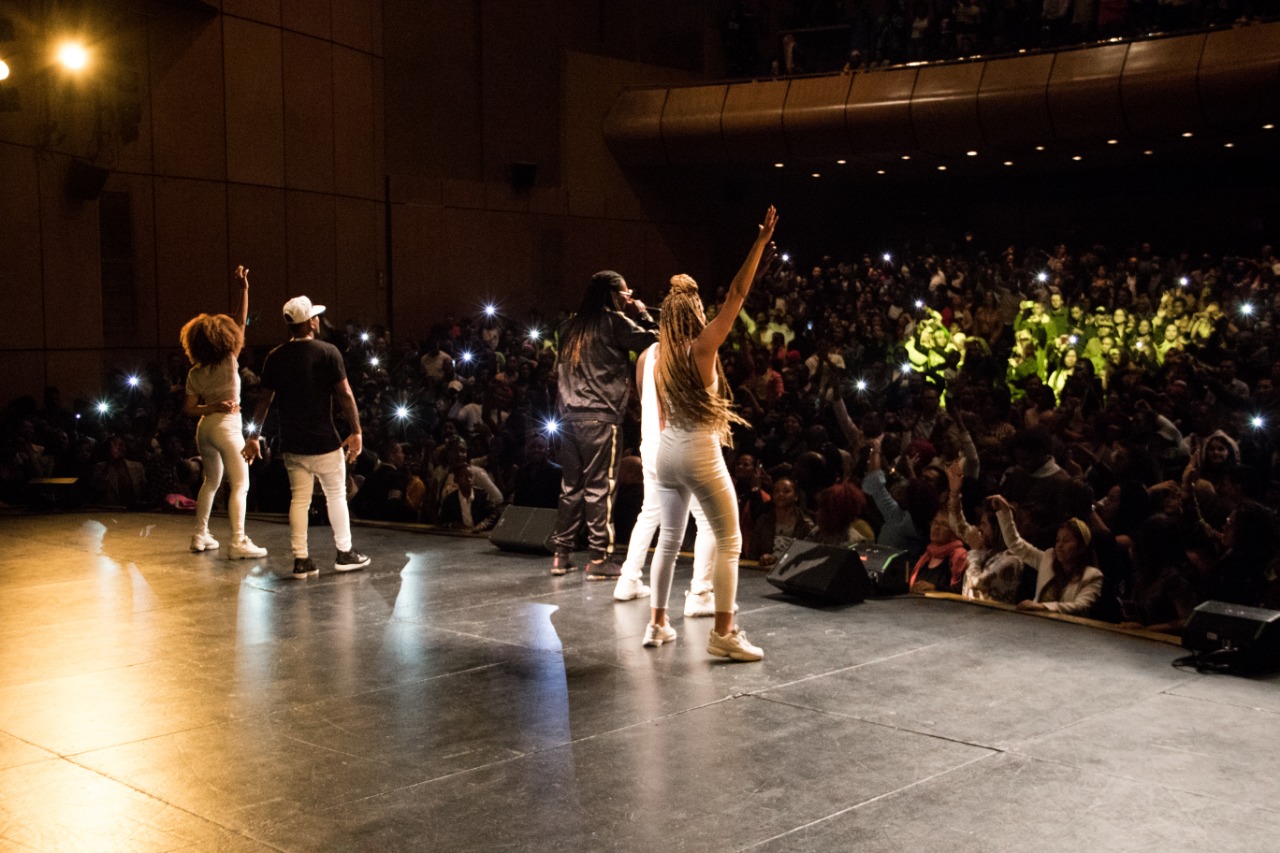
454,697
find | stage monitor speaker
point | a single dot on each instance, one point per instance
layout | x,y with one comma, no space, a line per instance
524,528
887,568
1234,637
825,572
523,175
85,180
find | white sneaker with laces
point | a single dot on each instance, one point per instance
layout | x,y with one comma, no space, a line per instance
628,589
203,542
701,604
246,550
656,635
734,646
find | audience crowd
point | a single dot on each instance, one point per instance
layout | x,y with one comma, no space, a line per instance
1074,430
821,36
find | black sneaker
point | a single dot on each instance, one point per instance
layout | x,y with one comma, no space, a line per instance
303,567
604,570
561,564
350,561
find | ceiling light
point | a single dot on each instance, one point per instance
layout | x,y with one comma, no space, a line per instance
906,156
1229,145
1008,162
1039,147
942,168
817,174
971,153
880,171
1188,135
73,56
1077,157
1113,141
841,162
777,165
1268,126
1148,152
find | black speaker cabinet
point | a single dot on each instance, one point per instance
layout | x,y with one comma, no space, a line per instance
886,567
1250,635
524,528
824,572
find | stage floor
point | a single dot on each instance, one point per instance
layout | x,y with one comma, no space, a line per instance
454,697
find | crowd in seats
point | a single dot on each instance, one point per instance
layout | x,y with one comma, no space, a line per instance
1083,431
822,36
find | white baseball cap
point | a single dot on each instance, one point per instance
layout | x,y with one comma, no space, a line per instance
299,310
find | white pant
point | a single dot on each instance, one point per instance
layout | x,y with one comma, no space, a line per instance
220,438
691,466
647,523
332,470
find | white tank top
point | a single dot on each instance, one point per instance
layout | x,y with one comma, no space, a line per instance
650,428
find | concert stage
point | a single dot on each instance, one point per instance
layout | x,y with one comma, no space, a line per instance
453,697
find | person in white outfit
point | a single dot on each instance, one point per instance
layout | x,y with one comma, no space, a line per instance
213,342
698,599
695,413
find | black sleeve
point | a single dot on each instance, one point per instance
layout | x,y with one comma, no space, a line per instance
336,366
267,380
630,336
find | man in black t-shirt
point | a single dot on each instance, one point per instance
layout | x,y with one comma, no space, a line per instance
305,374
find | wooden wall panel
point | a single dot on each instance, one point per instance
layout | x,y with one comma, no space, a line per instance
1012,102
752,122
255,109
71,261
191,251
264,11
633,127
359,261
1239,80
1158,88
813,117
313,17
944,107
1084,95
257,238
187,98
309,113
354,138
311,242
24,374
353,24
878,113
20,260
691,126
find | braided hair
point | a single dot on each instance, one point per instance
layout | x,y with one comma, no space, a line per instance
686,402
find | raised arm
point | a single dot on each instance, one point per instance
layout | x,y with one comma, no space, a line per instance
242,276
715,332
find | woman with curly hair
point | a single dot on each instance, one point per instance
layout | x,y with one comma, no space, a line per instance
212,342
695,411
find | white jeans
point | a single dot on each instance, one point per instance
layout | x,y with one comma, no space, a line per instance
220,438
332,470
691,466
647,523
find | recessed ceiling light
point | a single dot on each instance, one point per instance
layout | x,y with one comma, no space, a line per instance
1113,141
880,171
1039,147
906,156
1229,145
972,153
817,174
1268,126
1148,152
841,162
1008,162
1188,135
1077,157
942,168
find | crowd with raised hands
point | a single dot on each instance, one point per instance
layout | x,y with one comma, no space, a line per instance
1083,430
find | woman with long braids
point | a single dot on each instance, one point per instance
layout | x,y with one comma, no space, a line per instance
696,414
213,342
592,374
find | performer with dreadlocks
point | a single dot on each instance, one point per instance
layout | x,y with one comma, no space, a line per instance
696,412
592,378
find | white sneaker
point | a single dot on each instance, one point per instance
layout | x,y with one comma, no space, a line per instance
628,589
246,550
203,542
734,646
701,604
656,635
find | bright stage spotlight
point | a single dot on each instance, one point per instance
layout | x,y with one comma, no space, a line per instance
490,309
402,412
104,408
133,381
467,356
1042,277
373,361
364,337
1257,422
535,335
550,426
72,55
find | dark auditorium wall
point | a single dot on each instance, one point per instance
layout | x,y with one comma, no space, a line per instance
478,86
258,140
